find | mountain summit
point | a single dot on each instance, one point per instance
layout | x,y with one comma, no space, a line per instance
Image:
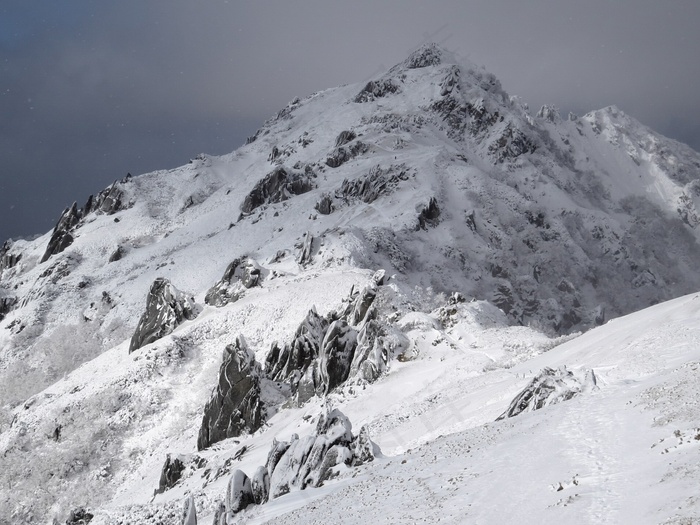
361,231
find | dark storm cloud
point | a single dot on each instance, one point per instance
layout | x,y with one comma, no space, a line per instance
91,90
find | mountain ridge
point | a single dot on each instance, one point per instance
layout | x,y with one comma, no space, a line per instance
430,172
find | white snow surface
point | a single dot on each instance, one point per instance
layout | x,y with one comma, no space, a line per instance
617,232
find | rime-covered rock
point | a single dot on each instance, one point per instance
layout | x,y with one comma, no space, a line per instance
289,363
550,113
362,305
306,252
371,186
429,54
166,308
337,351
277,186
260,486
235,406
80,516
549,387
189,512
242,273
343,154
239,493
375,89
344,137
309,461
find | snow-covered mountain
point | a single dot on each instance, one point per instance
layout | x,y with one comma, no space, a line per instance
387,268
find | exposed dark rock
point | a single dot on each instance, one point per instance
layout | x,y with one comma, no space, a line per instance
79,516
337,351
429,215
166,308
241,274
375,89
511,144
368,188
426,55
277,186
324,206
117,254
310,384
8,260
108,201
306,253
450,81
170,473
6,306
344,138
290,363
549,387
343,154
61,237
235,406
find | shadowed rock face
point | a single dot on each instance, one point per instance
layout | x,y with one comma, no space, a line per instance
166,308
61,237
277,186
235,406
549,387
6,306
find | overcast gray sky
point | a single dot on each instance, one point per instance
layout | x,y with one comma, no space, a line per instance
92,90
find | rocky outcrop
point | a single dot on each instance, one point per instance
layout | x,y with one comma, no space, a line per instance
368,188
344,137
343,154
108,201
189,512
290,363
427,55
174,469
8,260
235,406
241,274
61,238
79,516
306,251
324,206
117,254
375,89
337,352
166,308
277,186
299,464
549,387
429,215
6,306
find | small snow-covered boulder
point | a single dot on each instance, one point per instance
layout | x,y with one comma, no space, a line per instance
549,387
307,250
166,308
239,493
235,406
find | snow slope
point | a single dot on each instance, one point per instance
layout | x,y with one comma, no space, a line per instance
435,174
